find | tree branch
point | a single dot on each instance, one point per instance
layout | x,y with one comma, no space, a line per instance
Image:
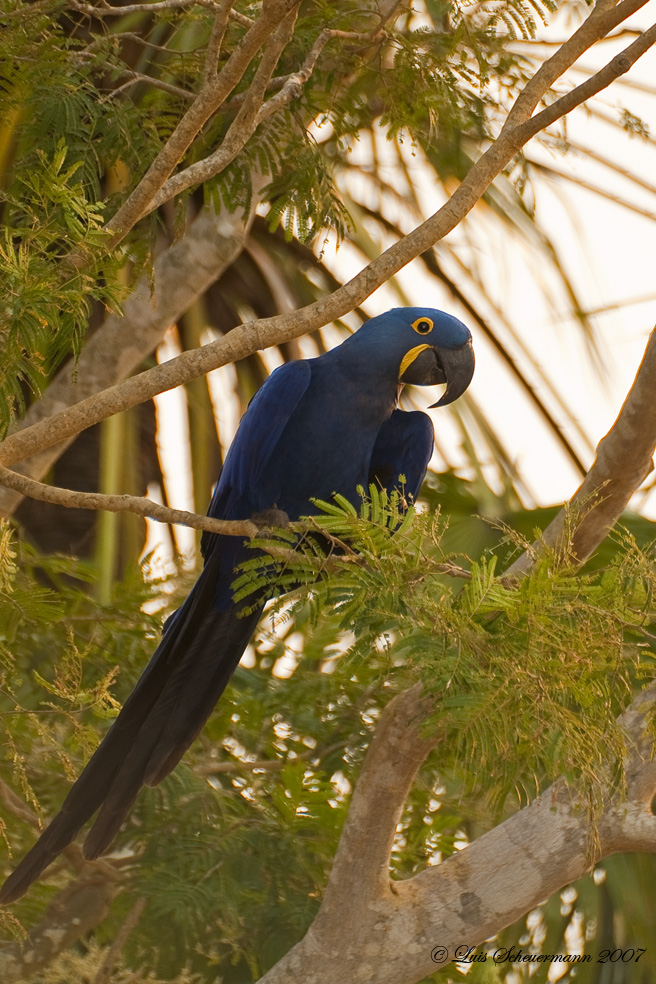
248,338
617,66
605,15
138,505
623,461
242,127
214,91
104,974
215,42
361,866
181,274
135,77
395,928
107,10
252,113
74,912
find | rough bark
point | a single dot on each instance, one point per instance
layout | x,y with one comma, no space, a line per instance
376,931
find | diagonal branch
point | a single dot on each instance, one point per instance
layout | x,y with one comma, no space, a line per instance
246,339
242,127
606,15
623,461
398,931
106,970
74,912
618,65
135,77
411,925
107,10
214,91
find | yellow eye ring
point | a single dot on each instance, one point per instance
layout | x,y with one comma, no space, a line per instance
423,326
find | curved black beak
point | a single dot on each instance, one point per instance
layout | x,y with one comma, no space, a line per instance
431,365
458,367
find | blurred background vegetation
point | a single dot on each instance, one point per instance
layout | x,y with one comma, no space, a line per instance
220,869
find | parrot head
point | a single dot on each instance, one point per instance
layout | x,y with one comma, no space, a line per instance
421,346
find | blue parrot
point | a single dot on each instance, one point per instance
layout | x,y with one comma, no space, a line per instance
316,427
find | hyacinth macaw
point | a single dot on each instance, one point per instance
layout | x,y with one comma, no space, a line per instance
316,427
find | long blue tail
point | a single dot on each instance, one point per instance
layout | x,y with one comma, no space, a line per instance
175,695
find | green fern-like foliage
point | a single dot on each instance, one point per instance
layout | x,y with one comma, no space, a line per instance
528,679
44,312
57,140
233,850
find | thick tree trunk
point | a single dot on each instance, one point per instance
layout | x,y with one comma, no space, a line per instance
371,930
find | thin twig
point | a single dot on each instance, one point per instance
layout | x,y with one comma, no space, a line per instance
215,42
114,951
174,90
295,80
572,179
138,505
107,10
593,155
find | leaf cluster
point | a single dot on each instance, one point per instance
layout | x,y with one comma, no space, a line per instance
528,678
57,142
50,707
253,815
66,663
44,313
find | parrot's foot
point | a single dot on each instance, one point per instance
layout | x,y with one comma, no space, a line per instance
273,518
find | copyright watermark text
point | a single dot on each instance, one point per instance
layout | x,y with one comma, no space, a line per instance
469,955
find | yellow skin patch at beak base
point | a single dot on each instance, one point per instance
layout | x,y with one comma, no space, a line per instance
410,357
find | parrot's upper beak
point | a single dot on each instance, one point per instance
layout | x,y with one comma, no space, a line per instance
431,365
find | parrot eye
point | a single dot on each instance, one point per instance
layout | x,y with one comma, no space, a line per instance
423,326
